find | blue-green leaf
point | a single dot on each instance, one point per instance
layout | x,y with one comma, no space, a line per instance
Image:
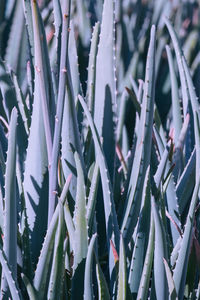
105,88
109,206
103,292
122,276
43,76
10,211
88,283
59,111
143,147
159,253
80,222
176,109
180,272
11,280
146,273
172,290
57,270
30,289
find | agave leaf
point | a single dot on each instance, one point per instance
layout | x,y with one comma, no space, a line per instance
179,274
67,214
9,100
172,290
41,277
29,25
35,179
30,83
186,183
43,76
42,270
90,94
173,207
175,251
69,138
30,289
109,207
3,149
80,234
141,241
57,270
178,155
125,143
11,280
193,267
136,263
25,114
57,11
70,135
179,53
65,189
92,197
15,41
25,241
160,252
176,109
88,285
103,292
122,162
59,111
69,223
105,88
7,91
10,211
196,113
171,197
1,210
137,104
146,273
122,276
142,154
162,165
105,65
73,61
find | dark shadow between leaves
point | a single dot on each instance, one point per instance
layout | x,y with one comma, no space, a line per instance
41,215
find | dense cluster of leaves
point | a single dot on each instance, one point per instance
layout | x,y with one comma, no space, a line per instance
99,149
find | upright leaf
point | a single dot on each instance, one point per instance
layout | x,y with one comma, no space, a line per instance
80,234
59,111
160,253
88,283
180,270
10,221
43,76
143,147
105,86
122,277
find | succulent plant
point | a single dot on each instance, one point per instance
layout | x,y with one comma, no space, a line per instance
99,149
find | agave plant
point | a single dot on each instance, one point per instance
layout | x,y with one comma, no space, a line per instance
99,150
